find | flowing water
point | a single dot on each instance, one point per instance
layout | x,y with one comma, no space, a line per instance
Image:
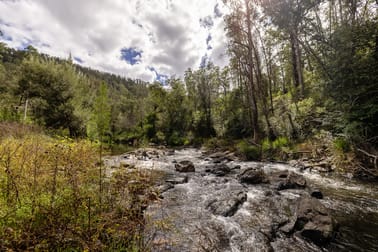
192,226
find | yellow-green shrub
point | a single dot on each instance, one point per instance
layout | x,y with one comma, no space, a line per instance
50,198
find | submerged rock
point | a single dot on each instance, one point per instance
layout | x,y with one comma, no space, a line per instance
185,166
177,180
227,206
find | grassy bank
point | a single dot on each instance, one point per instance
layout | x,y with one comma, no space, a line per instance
52,198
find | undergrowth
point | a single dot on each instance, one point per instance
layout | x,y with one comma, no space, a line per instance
50,198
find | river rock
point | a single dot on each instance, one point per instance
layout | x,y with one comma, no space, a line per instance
170,152
314,221
177,180
316,193
227,206
126,165
219,170
220,157
252,176
282,180
165,187
185,166
236,167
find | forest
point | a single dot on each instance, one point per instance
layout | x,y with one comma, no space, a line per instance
302,78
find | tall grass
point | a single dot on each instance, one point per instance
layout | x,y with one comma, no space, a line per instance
49,198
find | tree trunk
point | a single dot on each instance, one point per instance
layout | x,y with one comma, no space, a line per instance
376,33
253,89
296,62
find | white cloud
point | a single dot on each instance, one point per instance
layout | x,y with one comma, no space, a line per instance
169,33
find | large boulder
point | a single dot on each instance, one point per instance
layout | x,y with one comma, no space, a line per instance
252,176
227,206
313,221
185,166
218,169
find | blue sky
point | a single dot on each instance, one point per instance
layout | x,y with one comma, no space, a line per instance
131,55
144,39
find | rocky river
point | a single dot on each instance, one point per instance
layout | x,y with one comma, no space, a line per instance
214,202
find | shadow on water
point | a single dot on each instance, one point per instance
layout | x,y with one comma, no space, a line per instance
354,205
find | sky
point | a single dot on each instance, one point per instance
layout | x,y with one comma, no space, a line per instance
140,39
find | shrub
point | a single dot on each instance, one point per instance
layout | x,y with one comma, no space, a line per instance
341,144
175,139
249,152
280,142
276,149
50,198
266,145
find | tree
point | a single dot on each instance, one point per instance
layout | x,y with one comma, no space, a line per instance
175,113
46,88
101,113
245,48
353,67
288,15
101,122
203,88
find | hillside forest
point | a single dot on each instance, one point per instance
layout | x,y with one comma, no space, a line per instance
302,78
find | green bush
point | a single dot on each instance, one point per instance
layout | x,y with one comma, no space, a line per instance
266,145
280,142
341,144
277,149
175,139
248,151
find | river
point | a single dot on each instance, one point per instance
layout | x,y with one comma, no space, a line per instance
192,207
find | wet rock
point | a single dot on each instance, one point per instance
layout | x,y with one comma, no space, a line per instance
288,226
316,193
322,166
177,180
165,187
185,166
220,157
314,221
236,167
126,165
228,205
170,152
219,170
252,176
218,160
287,180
